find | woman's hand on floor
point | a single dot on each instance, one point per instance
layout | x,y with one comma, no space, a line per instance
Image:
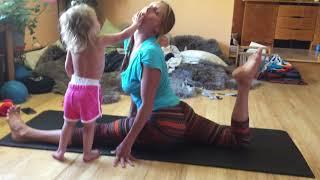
123,154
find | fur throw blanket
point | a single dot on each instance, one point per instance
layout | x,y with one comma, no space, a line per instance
52,64
189,80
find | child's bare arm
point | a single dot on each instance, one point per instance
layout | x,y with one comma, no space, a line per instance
69,65
126,33
114,38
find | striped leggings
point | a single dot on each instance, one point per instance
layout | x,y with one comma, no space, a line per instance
170,126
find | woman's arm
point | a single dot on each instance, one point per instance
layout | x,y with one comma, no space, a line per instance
133,109
69,65
149,85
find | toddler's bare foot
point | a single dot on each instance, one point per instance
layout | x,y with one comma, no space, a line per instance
93,155
58,155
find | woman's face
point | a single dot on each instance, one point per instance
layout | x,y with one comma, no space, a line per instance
153,16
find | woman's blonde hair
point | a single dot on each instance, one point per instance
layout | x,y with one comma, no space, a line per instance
167,23
75,27
168,20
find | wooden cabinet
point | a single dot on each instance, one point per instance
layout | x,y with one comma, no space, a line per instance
297,11
263,22
259,23
293,34
296,22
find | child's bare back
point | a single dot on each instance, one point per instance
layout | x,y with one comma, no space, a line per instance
89,63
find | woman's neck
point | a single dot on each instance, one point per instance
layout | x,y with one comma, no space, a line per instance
140,36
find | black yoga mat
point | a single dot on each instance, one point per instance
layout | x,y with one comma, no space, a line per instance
270,151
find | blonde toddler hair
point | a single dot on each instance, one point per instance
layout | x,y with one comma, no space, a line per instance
75,27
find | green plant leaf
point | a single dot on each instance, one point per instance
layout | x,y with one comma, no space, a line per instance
22,14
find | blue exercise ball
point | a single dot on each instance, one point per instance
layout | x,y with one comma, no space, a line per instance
14,90
21,72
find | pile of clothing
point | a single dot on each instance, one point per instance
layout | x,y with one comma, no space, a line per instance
277,70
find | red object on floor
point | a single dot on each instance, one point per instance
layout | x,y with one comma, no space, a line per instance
7,103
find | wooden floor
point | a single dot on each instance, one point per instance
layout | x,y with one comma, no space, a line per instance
297,55
293,108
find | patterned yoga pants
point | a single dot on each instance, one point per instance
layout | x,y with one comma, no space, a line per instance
171,126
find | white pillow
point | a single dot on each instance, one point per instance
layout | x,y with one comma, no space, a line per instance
32,58
195,56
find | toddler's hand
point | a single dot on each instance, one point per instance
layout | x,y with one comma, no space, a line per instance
138,18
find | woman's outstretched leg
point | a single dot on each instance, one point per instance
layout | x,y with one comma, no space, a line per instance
21,132
244,76
202,130
240,115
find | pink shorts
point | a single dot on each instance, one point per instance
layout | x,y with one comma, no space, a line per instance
82,100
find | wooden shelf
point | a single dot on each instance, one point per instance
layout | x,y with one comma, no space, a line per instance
9,51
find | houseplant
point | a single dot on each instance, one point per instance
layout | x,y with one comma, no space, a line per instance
21,14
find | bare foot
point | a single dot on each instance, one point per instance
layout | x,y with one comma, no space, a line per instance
247,72
17,126
58,155
93,155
